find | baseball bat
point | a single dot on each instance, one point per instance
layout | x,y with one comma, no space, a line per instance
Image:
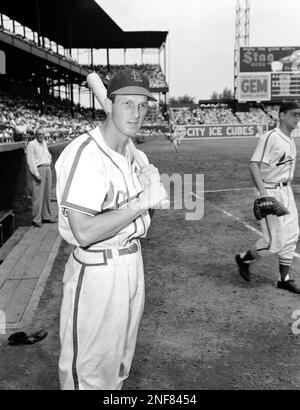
98,89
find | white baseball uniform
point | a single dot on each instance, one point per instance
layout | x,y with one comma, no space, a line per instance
103,296
276,153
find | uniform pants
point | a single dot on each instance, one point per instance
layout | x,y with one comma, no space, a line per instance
280,233
103,301
41,194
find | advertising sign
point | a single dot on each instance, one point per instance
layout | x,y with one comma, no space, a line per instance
254,87
269,59
235,130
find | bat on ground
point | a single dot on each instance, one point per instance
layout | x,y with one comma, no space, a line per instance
98,88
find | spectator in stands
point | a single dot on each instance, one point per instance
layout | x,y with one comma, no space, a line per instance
39,163
20,130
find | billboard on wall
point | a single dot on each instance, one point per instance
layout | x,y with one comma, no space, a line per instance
254,87
269,59
234,130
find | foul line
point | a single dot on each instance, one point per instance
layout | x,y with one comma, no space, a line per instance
212,191
236,218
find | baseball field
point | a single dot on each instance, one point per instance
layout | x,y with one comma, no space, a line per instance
203,327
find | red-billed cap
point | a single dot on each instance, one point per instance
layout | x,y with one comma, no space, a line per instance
129,82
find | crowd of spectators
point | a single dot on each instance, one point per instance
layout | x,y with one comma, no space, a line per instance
214,116
154,115
152,71
20,117
221,114
203,115
272,111
254,116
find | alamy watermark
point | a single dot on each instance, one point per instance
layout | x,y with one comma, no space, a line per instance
186,192
183,192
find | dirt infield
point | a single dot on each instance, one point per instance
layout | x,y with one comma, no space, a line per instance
203,327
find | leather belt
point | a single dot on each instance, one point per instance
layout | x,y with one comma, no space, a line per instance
131,249
123,251
43,165
274,185
96,257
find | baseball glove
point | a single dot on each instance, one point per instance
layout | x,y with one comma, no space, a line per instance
268,206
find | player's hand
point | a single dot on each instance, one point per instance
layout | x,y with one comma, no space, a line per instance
148,175
38,179
153,195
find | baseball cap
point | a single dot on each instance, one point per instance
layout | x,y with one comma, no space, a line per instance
129,82
289,105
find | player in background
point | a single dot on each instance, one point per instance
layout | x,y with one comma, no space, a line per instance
272,168
104,200
260,130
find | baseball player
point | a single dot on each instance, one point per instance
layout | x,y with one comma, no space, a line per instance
104,200
177,135
272,168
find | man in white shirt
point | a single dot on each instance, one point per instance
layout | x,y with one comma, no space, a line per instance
39,163
272,168
104,198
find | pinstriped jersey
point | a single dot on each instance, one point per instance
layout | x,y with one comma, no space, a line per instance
276,153
91,179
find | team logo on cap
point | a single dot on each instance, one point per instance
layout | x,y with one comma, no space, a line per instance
136,76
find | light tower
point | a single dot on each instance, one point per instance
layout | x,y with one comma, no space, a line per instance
242,24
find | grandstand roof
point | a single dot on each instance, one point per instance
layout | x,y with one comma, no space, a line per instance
78,24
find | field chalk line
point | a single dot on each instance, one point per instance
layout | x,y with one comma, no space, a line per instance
212,191
236,218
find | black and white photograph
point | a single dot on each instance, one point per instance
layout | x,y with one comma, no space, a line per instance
149,192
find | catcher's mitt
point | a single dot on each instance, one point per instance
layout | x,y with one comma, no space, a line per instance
268,206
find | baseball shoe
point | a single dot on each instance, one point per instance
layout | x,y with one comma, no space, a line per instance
288,285
37,225
48,221
22,338
243,268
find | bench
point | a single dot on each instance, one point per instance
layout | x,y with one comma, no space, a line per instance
7,224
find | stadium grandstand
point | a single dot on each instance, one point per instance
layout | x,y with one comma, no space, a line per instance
43,82
43,78
50,85
212,113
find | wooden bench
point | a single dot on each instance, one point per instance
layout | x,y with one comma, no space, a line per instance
7,224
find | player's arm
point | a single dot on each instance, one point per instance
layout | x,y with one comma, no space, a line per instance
31,162
88,229
261,155
257,178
